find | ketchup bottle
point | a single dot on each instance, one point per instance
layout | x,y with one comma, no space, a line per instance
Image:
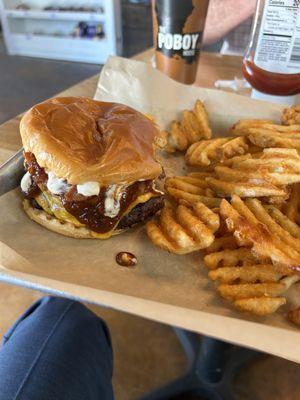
272,60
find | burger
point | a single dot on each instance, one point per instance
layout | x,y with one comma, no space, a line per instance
90,167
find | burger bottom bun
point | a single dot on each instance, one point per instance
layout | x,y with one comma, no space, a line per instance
64,228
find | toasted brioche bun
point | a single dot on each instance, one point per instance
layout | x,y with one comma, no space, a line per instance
83,140
64,228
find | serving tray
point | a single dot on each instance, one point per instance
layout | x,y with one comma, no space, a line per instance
164,287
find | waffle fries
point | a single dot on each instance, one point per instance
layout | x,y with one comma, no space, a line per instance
265,174
249,282
292,206
193,127
253,247
207,152
272,235
291,116
185,229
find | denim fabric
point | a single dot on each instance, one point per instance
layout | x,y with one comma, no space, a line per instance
57,350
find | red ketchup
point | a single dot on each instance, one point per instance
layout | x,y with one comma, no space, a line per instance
272,61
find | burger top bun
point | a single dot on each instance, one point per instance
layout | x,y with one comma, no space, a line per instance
83,140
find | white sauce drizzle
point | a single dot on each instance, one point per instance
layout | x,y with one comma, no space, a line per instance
89,189
56,185
26,182
112,200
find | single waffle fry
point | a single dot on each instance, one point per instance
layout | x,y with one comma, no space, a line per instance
226,242
193,127
190,198
161,140
230,258
158,238
291,116
174,231
260,306
233,147
284,221
176,139
282,128
207,152
251,222
294,316
202,118
188,184
184,230
210,218
291,208
248,188
278,201
258,178
231,162
273,167
243,129
272,160
201,175
246,274
192,189
249,290
243,125
267,138
277,227
223,230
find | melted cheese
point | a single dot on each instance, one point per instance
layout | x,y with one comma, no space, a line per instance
53,206
141,199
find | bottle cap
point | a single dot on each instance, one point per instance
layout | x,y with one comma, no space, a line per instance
284,100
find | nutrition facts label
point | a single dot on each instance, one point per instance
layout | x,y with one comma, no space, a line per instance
278,48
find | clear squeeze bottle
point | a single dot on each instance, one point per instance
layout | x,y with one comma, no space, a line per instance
272,60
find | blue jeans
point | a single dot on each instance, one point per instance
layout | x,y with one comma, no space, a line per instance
57,350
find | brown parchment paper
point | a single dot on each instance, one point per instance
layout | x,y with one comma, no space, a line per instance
164,287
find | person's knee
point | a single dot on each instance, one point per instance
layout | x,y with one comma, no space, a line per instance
82,319
72,319
78,318
58,339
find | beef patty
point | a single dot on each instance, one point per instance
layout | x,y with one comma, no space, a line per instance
141,212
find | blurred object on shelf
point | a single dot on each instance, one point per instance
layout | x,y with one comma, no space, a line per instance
23,6
91,31
99,9
71,30
140,1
